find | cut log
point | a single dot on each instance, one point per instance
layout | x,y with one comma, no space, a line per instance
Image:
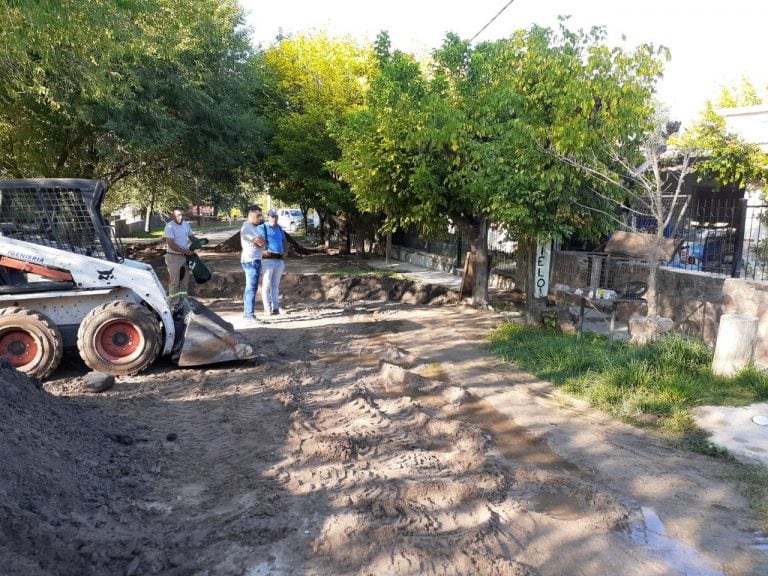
735,347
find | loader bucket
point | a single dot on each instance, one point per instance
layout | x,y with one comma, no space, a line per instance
205,338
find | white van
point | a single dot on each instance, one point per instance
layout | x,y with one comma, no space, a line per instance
290,219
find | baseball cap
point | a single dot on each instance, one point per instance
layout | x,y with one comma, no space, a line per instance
271,213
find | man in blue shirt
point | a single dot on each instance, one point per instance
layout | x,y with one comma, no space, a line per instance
272,239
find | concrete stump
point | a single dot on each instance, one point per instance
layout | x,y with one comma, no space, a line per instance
735,347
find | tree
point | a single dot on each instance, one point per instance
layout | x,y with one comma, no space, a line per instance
654,189
314,81
743,95
472,140
651,191
126,90
724,156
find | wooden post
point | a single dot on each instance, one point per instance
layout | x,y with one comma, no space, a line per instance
735,347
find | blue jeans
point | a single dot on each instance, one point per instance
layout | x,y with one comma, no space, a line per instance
252,272
270,286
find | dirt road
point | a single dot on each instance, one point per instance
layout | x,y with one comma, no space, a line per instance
370,437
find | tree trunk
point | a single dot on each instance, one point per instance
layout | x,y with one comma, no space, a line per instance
388,249
359,242
652,314
735,347
348,240
481,262
521,266
150,209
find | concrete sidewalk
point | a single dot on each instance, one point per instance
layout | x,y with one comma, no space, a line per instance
418,273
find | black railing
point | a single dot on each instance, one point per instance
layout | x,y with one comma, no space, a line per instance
754,253
724,237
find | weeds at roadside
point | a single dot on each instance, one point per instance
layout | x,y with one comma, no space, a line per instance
653,386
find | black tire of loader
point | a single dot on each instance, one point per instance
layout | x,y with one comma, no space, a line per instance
44,335
129,320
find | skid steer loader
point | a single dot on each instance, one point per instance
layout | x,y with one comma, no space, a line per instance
65,284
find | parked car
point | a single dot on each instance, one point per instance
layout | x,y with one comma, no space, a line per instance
290,219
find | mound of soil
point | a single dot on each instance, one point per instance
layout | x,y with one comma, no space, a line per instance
68,470
303,288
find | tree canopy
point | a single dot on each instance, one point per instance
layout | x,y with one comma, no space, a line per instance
314,81
130,89
472,139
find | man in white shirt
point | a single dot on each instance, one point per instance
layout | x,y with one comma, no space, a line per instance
178,238
250,260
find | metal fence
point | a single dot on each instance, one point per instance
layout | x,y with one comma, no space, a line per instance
502,250
724,237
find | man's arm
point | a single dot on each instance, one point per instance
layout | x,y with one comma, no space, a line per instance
260,240
175,247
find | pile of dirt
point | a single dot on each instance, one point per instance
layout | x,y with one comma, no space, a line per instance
68,470
232,244
363,441
304,288
151,253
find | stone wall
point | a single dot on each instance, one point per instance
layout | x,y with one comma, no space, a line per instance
693,300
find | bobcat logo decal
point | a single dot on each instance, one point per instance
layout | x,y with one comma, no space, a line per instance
106,274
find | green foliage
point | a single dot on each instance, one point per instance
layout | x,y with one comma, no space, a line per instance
723,156
314,82
549,321
471,138
655,385
127,90
743,95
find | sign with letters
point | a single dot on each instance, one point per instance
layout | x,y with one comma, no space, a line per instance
541,275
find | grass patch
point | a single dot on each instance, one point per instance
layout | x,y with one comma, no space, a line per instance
653,386
664,379
362,270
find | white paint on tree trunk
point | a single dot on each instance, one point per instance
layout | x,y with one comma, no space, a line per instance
543,260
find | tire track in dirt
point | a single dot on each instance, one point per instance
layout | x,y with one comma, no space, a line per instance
402,476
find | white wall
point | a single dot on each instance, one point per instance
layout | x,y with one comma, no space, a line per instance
750,122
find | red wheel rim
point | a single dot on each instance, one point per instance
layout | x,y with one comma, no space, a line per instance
119,341
19,347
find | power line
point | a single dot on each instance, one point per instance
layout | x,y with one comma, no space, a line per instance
491,21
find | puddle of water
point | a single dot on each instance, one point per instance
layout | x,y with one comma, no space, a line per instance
557,505
649,531
511,440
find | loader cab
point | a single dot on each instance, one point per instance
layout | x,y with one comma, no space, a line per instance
59,213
